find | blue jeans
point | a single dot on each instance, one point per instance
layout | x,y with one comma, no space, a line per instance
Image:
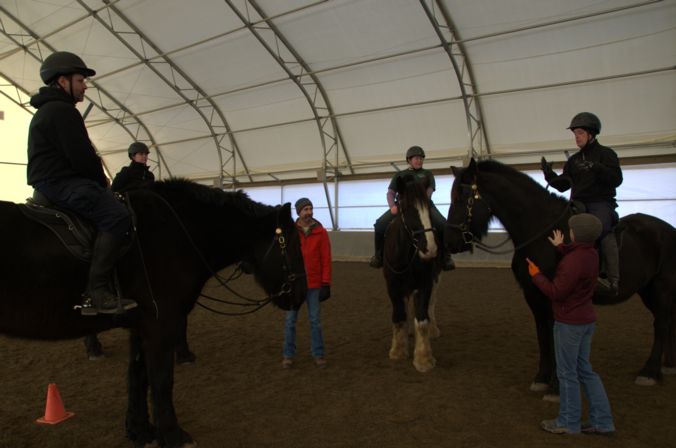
316,338
572,345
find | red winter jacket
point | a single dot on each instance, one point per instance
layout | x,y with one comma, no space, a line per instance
316,250
574,283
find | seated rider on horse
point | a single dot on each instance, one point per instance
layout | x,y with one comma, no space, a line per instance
593,173
414,157
64,167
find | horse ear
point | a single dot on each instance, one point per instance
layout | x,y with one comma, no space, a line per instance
455,171
285,213
471,168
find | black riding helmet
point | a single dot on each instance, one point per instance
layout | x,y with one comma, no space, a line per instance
63,63
415,151
137,147
587,121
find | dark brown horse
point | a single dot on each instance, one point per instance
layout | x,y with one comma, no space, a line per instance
529,213
411,268
186,234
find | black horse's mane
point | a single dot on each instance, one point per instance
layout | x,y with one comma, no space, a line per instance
518,178
177,187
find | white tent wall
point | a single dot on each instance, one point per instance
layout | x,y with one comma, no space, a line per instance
262,90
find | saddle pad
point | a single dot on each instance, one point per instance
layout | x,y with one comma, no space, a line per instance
76,234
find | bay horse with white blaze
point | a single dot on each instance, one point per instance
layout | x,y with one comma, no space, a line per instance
185,234
411,267
529,213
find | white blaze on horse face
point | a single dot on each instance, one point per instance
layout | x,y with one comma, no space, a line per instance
424,214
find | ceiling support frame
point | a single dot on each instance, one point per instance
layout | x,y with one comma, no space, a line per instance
187,89
478,140
107,103
301,74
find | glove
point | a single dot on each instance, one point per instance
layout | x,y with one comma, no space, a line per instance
533,270
324,292
585,165
546,167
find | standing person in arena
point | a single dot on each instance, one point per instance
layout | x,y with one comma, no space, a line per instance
593,173
64,167
415,157
571,291
316,249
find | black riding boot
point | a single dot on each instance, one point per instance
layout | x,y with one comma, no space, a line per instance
377,258
609,250
101,298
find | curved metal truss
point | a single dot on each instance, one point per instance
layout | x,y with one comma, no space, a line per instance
478,141
307,81
115,110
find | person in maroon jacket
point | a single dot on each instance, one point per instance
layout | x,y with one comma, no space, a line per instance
571,293
316,250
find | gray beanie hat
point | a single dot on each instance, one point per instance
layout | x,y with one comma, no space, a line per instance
586,227
301,204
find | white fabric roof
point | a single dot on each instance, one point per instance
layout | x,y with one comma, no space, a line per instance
256,90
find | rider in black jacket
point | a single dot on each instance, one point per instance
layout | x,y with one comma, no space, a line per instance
593,173
65,168
137,174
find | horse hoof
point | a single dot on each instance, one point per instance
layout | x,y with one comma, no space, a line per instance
424,367
551,398
645,381
668,370
398,356
539,387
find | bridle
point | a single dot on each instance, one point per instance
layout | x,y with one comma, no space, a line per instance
413,236
465,227
279,239
469,238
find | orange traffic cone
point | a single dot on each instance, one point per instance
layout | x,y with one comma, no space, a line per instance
54,410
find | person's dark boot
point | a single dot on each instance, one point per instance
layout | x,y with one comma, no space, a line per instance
100,297
184,355
611,284
377,258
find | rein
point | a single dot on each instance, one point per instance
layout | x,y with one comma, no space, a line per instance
249,302
470,238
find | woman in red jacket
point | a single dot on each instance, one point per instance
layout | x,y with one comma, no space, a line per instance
316,250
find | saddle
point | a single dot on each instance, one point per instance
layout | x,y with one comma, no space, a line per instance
75,233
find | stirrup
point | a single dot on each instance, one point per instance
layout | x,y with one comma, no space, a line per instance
89,306
376,262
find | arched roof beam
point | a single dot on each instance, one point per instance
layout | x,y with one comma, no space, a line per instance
301,74
178,80
123,117
478,141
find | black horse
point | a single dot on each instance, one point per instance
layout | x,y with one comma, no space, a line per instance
411,267
529,213
185,233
